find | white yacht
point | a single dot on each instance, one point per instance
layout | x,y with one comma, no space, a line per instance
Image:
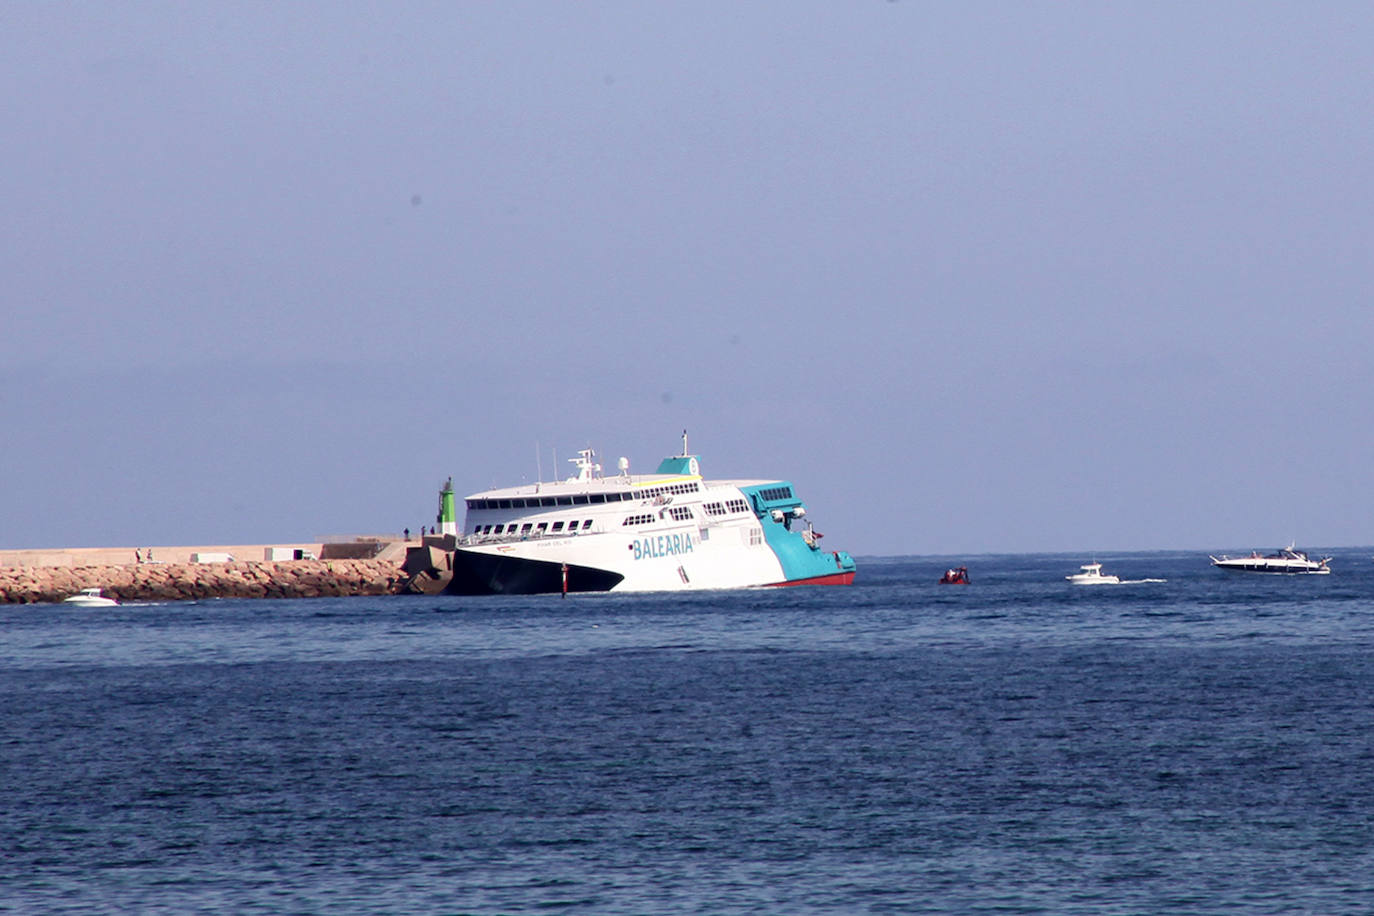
671,530
1285,560
1092,575
90,597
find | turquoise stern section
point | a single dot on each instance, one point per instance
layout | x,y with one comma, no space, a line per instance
800,561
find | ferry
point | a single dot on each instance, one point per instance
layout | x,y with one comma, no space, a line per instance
672,530
1285,560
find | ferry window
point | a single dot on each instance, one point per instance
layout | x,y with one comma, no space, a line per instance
598,497
558,526
505,504
565,500
542,527
494,530
579,500
526,529
472,504
517,504
587,524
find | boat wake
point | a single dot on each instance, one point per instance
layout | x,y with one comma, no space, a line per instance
1140,581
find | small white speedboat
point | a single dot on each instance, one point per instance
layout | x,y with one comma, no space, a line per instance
90,597
1092,575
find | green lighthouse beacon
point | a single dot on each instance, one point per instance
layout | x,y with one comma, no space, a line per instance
448,518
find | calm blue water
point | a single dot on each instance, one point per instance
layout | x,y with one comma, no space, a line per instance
1202,745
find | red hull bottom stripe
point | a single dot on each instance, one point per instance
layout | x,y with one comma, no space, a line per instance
844,578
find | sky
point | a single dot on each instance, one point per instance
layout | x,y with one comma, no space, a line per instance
976,277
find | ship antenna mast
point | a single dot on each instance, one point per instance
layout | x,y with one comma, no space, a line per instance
684,443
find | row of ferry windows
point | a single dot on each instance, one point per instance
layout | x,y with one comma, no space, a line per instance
773,493
582,499
730,505
679,514
529,527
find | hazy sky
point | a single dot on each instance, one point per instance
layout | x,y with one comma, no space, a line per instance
977,277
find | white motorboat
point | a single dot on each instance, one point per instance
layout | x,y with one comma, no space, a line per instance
1092,575
1286,560
90,597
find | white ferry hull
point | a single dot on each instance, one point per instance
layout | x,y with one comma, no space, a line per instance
668,560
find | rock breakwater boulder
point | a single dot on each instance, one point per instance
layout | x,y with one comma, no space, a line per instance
196,581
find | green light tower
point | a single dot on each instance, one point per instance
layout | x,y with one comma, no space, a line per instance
448,518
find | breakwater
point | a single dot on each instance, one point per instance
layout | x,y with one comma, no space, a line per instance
195,581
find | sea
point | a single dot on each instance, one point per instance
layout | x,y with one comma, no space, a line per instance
1202,744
